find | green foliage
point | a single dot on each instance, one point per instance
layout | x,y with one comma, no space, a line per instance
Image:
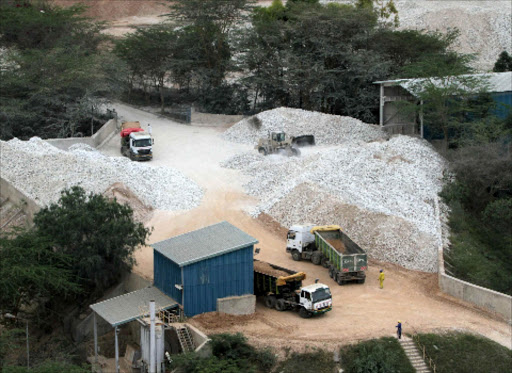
461,353
480,200
386,9
53,73
41,25
148,52
10,339
316,360
100,234
48,367
384,355
504,63
31,271
231,354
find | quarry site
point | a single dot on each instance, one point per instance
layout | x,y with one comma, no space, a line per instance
381,190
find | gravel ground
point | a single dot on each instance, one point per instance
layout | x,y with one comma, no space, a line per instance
383,192
327,129
42,171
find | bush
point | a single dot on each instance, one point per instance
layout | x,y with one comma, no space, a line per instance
318,361
231,354
461,353
384,355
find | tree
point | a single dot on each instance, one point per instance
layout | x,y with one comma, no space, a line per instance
53,72
210,23
42,25
504,63
149,52
100,234
385,9
31,271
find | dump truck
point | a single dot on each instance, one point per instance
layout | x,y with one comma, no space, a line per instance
277,143
282,289
135,143
329,246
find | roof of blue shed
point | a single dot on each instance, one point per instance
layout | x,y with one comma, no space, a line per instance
208,242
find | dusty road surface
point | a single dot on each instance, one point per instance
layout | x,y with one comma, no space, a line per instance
360,311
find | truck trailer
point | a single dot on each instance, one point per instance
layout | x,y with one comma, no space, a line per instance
329,246
135,143
282,289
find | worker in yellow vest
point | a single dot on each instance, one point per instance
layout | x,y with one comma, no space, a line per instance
381,279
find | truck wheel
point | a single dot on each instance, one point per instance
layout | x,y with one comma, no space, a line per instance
340,280
361,280
304,313
281,305
316,258
325,262
296,255
262,151
270,301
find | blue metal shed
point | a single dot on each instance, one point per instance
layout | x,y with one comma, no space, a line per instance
199,267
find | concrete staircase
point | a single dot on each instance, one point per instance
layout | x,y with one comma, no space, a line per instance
414,355
186,342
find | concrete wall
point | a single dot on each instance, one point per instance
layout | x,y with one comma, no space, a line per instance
201,341
499,303
214,120
241,305
18,197
104,134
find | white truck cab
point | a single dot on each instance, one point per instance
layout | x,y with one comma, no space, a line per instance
299,237
315,298
141,146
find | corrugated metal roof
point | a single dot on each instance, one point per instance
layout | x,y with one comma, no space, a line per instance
128,307
498,82
208,242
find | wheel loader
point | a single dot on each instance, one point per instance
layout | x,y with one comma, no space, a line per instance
277,143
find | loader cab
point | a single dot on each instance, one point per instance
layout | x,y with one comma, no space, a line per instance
299,237
278,136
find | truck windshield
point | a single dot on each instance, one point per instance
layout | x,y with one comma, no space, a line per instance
291,235
141,143
321,294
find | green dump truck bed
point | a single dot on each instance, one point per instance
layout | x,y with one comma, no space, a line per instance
343,253
266,279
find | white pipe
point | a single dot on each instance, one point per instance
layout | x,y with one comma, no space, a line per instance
152,338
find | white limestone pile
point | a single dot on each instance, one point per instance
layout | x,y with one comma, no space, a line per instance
43,171
383,193
327,129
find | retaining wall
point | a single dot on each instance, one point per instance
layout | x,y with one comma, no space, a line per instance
491,300
213,120
99,138
240,305
7,190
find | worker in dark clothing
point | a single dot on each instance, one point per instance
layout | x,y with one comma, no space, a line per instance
399,330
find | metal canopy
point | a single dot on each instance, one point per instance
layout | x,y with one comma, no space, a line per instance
128,307
497,82
204,243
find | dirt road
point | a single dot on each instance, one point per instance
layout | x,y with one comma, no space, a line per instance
360,311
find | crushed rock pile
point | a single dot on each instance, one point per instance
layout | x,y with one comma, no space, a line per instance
327,129
382,193
43,171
